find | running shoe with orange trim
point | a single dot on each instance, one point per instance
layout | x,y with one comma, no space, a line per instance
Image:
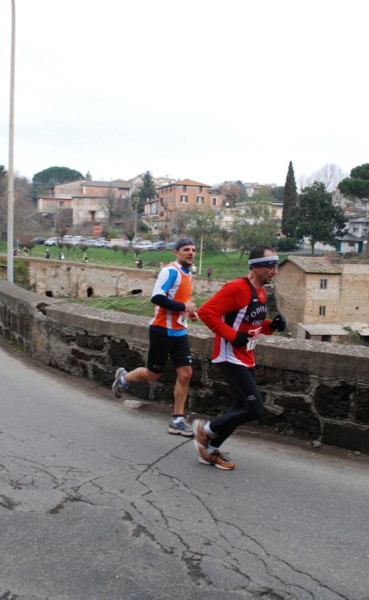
200,435
218,459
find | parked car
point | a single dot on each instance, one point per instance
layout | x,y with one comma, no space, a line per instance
67,239
38,240
170,245
90,242
53,241
143,245
160,245
78,239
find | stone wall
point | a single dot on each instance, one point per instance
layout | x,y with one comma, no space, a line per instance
71,279
312,390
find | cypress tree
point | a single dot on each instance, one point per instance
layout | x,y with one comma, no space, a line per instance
290,200
146,190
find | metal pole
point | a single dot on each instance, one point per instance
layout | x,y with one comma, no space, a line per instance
10,269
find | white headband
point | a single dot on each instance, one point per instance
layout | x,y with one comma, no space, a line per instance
264,260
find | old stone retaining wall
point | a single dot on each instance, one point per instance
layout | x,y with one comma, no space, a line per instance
312,390
65,278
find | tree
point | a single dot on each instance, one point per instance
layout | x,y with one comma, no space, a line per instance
329,174
63,220
243,193
45,181
231,192
112,209
180,221
201,224
146,190
246,234
357,185
290,200
316,217
26,223
278,193
259,206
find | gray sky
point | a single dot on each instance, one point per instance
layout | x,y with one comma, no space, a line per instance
210,90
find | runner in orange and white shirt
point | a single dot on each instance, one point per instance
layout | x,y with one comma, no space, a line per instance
168,334
237,316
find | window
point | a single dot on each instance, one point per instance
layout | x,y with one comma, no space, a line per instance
214,201
200,199
184,188
183,199
200,189
322,311
323,284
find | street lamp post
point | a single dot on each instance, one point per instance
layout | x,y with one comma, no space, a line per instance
10,234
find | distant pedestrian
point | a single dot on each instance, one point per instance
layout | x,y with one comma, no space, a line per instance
210,272
47,253
139,263
84,257
61,255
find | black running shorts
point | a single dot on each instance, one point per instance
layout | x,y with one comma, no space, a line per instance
162,346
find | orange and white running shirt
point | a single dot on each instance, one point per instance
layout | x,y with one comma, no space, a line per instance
174,282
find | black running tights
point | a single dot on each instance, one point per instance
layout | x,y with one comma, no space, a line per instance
246,406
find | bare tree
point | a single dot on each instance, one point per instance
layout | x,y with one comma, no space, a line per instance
330,174
109,207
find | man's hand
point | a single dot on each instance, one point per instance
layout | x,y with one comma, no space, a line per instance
193,316
190,307
278,323
241,339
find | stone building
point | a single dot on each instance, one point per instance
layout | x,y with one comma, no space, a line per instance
174,197
88,200
322,298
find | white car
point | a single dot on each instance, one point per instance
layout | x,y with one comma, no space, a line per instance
78,239
143,245
53,241
67,239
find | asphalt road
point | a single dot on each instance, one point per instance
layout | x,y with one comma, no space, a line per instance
98,502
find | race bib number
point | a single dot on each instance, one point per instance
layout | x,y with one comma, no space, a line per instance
254,339
251,344
182,320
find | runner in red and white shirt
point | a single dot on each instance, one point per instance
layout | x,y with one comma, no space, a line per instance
237,316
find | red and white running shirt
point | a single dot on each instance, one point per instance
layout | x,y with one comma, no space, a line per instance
236,308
